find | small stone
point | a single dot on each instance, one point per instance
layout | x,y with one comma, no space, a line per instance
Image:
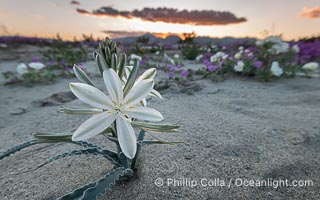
18,111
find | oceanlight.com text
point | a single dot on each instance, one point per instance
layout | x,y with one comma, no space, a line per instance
232,182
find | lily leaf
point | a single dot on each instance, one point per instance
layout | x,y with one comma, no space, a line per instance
153,127
53,136
79,111
159,141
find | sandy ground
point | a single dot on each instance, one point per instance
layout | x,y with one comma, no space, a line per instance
239,129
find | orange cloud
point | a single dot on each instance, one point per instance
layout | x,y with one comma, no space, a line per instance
310,13
170,15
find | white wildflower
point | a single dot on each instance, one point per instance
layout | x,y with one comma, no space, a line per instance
276,69
310,66
239,66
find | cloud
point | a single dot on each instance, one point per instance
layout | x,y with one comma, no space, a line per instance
170,15
311,13
83,12
74,3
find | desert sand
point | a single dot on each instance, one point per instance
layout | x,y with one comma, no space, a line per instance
236,129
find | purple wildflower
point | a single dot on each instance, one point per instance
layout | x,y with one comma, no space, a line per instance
258,64
52,62
206,62
142,62
170,67
184,73
212,68
36,60
171,74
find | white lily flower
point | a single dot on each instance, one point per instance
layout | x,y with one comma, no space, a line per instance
276,69
273,39
176,56
259,42
238,55
116,107
239,66
310,66
199,57
36,65
281,47
213,58
295,48
3,46
22,68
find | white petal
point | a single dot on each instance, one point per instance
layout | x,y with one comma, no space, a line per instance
36,65
143,102
148,74
126,137
113,84
139,92
22,68
91,95
93,126
144,113
155,93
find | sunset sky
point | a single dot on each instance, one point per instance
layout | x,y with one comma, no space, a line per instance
45,18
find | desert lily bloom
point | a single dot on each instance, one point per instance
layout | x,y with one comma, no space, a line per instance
115,108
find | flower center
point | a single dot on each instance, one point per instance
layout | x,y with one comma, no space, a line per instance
117,107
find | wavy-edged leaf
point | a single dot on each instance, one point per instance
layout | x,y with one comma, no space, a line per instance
111,156
140,138
18,148
86,144
91,190
82,76
72,110
106,183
